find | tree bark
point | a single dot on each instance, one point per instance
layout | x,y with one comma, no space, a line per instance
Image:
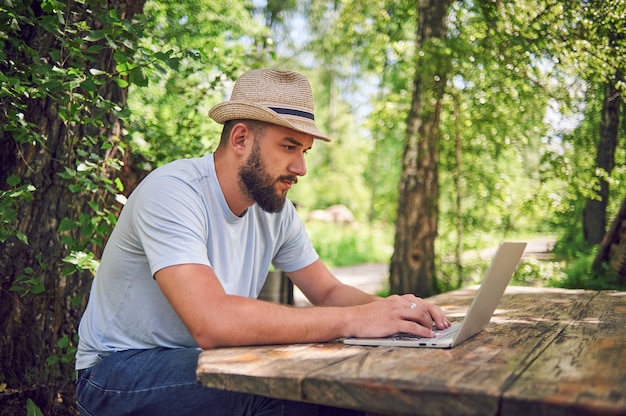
412,268
458,189
38,330
594,213
612,251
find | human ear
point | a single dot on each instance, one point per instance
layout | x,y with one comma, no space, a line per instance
239,135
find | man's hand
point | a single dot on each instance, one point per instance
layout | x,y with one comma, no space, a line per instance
406,313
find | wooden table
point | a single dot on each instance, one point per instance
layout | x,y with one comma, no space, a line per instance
545,352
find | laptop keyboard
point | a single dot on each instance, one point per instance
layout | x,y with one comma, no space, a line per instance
439,333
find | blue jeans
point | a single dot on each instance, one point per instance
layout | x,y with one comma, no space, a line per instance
162,381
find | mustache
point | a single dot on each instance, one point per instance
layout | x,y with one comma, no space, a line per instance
288,178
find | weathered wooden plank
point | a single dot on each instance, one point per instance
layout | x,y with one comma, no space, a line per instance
275,371
583,372
401,381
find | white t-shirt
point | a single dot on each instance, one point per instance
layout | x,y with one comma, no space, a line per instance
178,215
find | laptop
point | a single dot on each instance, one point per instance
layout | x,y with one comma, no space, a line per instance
478,315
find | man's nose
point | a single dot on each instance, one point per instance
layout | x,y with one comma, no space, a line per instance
298,166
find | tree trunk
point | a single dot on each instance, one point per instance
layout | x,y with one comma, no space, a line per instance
412,268
612,251
458,189
38,330
594,213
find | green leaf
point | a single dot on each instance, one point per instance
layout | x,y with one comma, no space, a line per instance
64,342
13,180
94,36
67,224
174,63
16,287
49,23
55,55
37,286
75,188
67,240
52,86
122,83
94,49
76,301
32,409
22,237
119,185
89,85
138,78
68,270
53,359
125,113
122,67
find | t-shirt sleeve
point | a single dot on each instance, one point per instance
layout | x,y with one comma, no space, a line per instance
296,251
170,223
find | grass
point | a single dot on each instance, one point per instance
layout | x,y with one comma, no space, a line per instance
347,245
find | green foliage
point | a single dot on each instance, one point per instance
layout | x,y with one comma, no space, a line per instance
8,200
351,40
32,409
70,77
535,272
176,59
347,245
63,68
580,273
516,66
67,351
80,260
448,272
204,44
569,166
387,125
29,280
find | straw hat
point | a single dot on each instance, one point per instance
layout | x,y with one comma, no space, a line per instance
278,97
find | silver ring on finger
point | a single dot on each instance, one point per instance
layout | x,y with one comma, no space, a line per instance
413,305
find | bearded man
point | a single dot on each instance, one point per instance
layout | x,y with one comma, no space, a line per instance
188,257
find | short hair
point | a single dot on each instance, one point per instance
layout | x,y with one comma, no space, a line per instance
257,127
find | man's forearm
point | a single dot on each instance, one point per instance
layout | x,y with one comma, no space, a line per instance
345,295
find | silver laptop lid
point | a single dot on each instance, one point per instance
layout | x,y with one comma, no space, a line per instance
491,290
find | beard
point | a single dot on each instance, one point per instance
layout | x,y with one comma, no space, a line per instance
259,185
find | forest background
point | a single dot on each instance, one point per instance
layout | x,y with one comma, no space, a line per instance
457,124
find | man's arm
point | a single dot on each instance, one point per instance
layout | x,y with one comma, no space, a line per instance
322,288
215,318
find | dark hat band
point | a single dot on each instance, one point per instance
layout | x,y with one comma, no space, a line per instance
292,112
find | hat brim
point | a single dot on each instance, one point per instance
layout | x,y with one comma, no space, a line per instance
235,110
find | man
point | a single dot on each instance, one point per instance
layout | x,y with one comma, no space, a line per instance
189,255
